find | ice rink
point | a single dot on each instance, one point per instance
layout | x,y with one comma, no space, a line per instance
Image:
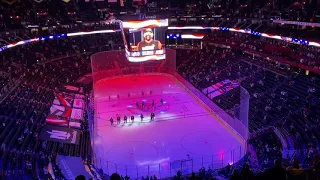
184,135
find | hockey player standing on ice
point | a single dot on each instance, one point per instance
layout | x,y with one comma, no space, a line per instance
118,119
152,116
111,121
125,119
141,116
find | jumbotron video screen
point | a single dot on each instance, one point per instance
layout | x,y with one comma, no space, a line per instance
144,40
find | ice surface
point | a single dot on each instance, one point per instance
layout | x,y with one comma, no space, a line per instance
184,135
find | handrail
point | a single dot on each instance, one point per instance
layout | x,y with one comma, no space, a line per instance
258,132
293,156
285,146
13,86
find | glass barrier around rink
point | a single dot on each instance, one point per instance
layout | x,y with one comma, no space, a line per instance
235,119
112,64
172,168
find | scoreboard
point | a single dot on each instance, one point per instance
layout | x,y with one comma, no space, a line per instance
144,40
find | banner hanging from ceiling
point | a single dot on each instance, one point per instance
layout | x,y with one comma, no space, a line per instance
60,134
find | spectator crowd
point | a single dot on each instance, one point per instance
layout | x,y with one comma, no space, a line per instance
284,95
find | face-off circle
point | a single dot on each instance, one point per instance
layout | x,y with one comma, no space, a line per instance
134,152
148,107
202,140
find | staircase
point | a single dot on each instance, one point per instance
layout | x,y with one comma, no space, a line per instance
9,88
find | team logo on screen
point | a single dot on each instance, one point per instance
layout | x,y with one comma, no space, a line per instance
143,39
145,48
60,134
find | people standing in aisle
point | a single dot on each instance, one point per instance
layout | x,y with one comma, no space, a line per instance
125,119
153,103
132,118
141,116
142,104
161,101
111,121
137,104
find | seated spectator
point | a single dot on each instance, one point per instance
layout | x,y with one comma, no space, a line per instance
193,176
295,172
235,175
246,173
115,176
81,177
277,172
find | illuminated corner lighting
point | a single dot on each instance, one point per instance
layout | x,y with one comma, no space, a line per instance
164,102
162,112
307,72
231,163
129,106
144,100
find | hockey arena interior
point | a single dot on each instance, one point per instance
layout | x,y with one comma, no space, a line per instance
150,89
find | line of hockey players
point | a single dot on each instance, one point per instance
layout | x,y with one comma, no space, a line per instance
125,118
153,103
129,95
